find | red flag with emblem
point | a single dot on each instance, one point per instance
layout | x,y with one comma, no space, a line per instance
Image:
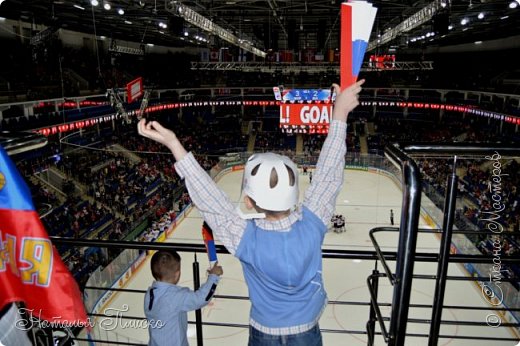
31,269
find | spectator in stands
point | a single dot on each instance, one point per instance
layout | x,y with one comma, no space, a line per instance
166,304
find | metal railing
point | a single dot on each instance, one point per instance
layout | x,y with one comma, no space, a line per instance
374,314
402,279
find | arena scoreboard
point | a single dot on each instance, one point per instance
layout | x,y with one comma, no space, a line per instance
304,110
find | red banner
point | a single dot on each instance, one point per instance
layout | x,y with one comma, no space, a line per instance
213,55
134,89
286,56
305,114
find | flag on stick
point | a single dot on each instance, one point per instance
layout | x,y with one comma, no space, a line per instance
207,235
31,270
357,19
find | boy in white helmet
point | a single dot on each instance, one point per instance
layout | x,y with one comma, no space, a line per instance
281,252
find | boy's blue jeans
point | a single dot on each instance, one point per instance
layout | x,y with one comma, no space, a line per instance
309,338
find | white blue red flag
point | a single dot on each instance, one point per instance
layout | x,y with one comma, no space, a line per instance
207,235
357,19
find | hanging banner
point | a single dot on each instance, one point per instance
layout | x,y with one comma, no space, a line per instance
134,89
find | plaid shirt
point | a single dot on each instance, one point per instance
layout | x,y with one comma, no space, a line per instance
220,213
222,216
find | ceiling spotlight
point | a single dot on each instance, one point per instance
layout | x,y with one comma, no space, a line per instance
450,27
444,4
481,15
94,2
107,6
513,4
121,11
186,33
464,21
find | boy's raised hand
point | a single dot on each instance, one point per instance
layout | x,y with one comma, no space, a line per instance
346,100
156,131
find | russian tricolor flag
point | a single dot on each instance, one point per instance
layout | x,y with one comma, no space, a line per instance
207,235
31,270
357,19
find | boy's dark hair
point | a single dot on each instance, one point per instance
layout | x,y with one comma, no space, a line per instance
164,262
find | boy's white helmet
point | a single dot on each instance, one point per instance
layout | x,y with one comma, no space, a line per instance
283,194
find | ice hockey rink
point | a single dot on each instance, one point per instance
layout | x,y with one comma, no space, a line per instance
365,200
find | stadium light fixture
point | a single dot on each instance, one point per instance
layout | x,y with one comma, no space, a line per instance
206,24
417,19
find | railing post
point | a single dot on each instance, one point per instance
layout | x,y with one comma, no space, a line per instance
371,324
198,313
407,244
442,268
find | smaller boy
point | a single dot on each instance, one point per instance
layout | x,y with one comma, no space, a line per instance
166,305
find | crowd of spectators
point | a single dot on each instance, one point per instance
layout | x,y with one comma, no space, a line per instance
476,185
109,192
124,189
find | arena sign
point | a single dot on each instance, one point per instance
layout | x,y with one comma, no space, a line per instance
305,114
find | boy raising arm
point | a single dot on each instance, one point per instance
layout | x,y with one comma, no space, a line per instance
281,253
